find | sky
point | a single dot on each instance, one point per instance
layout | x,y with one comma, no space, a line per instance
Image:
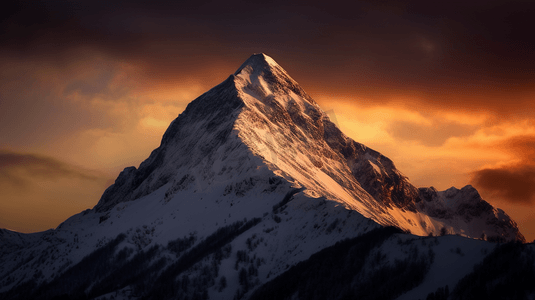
87,88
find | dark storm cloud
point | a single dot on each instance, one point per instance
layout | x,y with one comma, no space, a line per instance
428,50
514,183
20,168
491,28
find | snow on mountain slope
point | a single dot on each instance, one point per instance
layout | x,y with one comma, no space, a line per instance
256,160
284,235
449,251
11,241
381,264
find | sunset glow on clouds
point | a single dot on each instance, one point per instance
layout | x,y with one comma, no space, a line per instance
88,88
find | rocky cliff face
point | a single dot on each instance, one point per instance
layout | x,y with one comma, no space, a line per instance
375,172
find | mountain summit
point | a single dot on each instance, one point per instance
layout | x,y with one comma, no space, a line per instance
251,179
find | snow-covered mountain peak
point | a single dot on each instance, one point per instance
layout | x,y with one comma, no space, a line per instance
453,196
259,124
257,62
261,77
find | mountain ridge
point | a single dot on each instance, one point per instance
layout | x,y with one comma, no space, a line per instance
268,113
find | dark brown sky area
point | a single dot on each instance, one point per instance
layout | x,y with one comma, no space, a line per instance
88,87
